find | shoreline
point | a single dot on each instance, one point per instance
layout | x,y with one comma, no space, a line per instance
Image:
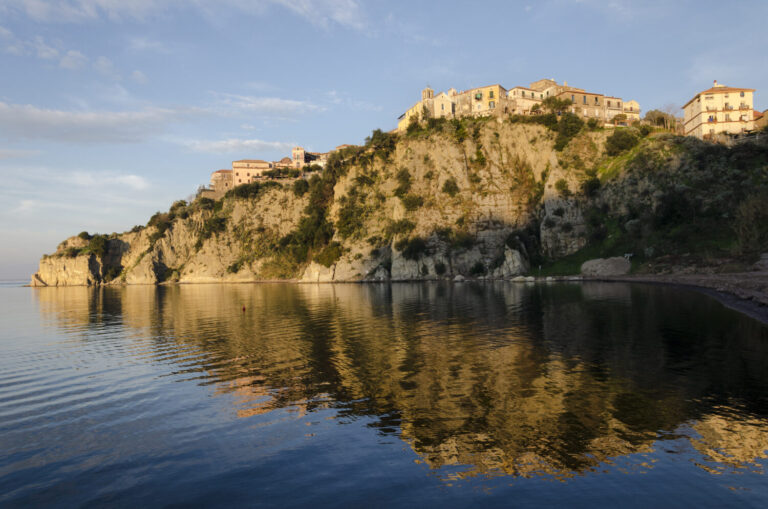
745,292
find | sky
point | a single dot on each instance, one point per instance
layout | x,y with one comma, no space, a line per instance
112,109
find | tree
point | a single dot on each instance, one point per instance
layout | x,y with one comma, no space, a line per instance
659,118
556,105
621,117
619,141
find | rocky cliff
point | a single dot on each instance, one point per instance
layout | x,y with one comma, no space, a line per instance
482,198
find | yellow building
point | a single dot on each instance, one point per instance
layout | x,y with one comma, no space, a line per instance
248,170
632,111
719,110
479,101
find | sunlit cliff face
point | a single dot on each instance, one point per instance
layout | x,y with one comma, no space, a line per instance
499,379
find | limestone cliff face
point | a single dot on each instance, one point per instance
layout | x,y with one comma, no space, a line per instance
435,206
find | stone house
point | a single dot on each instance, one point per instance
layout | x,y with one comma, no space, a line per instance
248,170
632,111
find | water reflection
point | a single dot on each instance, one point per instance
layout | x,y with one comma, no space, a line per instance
501,379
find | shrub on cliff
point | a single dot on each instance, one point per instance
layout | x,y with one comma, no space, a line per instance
404,182
751,223
300,187
620,141
97,245
329,255
412,248
562,187
569,126
412,202
450,187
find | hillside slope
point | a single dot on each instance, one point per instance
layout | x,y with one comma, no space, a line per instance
470,198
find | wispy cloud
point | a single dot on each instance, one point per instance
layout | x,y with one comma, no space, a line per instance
354,104
7,153
323,13
106,67
31,122
73,60
265,105
233,145
144,44
102,180
139,77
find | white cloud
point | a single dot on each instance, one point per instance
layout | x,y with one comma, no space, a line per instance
100,180
149,45
31,122
354,104
73,60
5,33
238,145
346,13
324,12
105,67
43,50
139,77
266,105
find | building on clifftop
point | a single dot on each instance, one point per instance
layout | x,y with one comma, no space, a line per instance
719,110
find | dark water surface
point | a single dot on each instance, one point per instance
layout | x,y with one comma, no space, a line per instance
415,395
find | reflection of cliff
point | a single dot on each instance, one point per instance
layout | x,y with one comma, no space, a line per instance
501,378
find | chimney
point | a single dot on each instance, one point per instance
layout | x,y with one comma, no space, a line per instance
565,83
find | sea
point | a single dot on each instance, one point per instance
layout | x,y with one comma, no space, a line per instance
430,394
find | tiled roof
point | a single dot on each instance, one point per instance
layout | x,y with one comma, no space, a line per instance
719,90
250,161
223,171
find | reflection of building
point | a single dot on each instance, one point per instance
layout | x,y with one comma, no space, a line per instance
719,110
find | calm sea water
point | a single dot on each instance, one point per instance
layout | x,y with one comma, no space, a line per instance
413,395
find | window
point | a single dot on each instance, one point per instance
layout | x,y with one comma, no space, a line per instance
573,99
442,107
523,93
542,96
741,94
492,104
609,104
490,94
596,100
584,99
727,117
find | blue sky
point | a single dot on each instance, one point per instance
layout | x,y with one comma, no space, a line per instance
112,109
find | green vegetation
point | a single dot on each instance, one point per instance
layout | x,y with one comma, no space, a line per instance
620,141
412,248
567,128
450,187
412,202
404,182
300,188
562,187
751,223
282,173
253,190
329,255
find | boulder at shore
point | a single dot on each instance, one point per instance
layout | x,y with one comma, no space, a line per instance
616,266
